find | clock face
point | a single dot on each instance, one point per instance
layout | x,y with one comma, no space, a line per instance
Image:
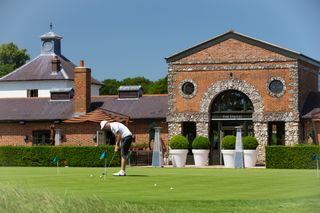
47,46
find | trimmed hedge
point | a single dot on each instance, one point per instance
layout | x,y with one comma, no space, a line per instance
201,142
179,142
291,157
77,156
229,142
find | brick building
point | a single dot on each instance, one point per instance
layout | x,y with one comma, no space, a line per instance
51,100
234,80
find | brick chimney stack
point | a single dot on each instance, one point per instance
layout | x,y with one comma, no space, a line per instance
82,89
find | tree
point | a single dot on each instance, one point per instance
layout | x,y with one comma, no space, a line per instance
110,86
11,58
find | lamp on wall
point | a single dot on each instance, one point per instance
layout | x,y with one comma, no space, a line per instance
22,122
26,138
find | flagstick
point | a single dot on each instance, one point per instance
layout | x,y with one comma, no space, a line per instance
105,168
317,168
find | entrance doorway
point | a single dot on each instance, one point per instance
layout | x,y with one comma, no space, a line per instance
230,109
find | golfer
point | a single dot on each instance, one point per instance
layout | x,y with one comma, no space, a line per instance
123,140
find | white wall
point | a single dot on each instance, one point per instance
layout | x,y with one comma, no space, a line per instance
19,89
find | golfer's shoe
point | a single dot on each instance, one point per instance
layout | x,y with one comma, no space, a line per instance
120,173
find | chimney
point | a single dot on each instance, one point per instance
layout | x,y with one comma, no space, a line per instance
82,89
55,64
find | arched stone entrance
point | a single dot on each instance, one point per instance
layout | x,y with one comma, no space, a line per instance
251,116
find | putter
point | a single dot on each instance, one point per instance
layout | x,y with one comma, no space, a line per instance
114,153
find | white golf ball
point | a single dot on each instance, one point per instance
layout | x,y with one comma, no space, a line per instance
155,184
171,188
100,176
91,175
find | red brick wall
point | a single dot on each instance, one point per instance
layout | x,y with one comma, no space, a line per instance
234,53
140,129
308,81
80,134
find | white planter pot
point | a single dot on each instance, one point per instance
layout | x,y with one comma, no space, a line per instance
179,157
250,158
200,157
228,158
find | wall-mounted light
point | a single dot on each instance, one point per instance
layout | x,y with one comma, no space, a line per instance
25,138
22,122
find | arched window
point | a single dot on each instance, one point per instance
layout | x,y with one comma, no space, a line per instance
232,101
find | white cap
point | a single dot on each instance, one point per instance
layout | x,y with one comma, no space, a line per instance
103,123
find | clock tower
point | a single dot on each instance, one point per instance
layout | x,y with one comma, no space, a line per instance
51,43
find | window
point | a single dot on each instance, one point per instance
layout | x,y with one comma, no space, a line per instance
188,88
41,137
32,93
276,86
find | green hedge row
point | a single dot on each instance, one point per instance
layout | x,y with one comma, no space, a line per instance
81,156
291,157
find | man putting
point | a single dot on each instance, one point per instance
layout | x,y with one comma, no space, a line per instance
123,140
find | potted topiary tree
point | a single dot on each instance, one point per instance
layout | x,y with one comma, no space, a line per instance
250,145
179,145
200,150
228,152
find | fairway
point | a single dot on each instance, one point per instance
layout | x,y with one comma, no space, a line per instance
169,189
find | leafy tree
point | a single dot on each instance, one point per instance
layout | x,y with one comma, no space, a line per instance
110,86
11,58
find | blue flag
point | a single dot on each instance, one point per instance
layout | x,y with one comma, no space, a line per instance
55,159
103,155
315,157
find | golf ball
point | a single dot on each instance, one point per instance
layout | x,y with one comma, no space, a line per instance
100,176
91,175
155,184
171,188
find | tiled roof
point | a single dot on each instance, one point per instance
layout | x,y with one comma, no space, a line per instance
33,109
147,106
99,115
40,68
311,108
15,109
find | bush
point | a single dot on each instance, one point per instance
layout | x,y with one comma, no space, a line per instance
291,157
201,142
229,142
84,156
250,142
179,142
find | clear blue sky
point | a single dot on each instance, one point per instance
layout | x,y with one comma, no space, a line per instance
129,38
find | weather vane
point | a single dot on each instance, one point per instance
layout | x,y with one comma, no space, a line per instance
50,26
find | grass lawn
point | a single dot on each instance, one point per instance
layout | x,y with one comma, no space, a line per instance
38,189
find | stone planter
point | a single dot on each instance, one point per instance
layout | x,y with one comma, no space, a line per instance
250,158
179,157
228,157
200,157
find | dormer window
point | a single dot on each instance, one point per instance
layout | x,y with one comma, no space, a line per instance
61,94
130,92
32,93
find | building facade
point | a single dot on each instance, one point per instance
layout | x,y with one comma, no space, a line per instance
235,80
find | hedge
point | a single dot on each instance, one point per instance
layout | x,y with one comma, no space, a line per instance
291,157
78,156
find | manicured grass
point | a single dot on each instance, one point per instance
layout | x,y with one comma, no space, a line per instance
194,190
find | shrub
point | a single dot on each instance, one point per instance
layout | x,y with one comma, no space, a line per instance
229,142
84,156
179,142
250,142
201,142
291,157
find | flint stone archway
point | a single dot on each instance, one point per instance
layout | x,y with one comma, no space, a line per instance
260,128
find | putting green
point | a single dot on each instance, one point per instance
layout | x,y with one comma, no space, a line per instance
172,185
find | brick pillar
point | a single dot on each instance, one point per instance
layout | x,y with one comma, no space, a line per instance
82,89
